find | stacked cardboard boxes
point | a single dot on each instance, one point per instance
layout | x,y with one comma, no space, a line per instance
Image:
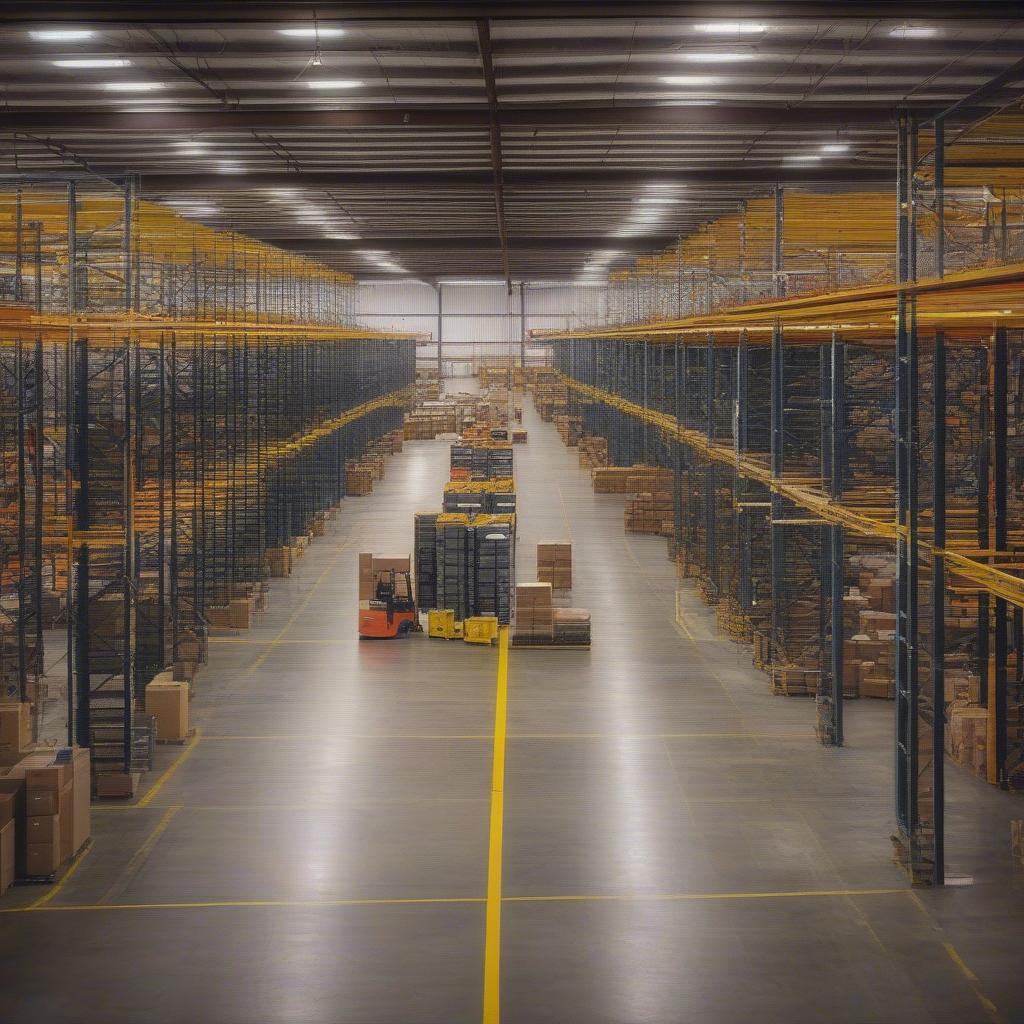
967,738
554,564
534,614
15,732
372,567
650,512
57,811
570,428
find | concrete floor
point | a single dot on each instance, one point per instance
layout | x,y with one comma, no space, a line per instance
677,848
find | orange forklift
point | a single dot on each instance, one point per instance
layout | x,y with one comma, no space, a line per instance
392,611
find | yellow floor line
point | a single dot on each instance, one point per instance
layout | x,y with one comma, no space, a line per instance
990,1008
681,622
440,900
329,568
55,889
170,771
684,897
304,737
492,929
214,904
141,855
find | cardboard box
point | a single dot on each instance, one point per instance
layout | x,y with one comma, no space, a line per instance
168,704
15,724
51,778
15,732
116,784
81,800
240,613
43,858
41,828
66,817
7,857
400,563
41,801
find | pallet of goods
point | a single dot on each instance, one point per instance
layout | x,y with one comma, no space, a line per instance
534,615
554,564
571,627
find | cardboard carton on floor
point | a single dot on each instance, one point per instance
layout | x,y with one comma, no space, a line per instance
15,732
43,858
168,704
81,799
7,856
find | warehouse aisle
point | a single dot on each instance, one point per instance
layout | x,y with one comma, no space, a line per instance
676,845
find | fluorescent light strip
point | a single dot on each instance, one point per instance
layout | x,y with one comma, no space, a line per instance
61,35
93,62
704,57
689,79
334,83
311,33
132,86
738,28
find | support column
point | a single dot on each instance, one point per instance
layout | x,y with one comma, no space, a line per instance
999,481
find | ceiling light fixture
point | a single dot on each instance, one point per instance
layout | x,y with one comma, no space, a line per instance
312,32
689,79
706,57
914,32
801,158
61,35
132,86
192,151
230,168
333,83
93,62
739,28
836,147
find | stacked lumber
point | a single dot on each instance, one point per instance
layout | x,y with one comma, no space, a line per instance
593,451
570,429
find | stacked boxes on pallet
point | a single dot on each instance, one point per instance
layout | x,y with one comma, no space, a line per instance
571,627
534,618
593,452
46,796
554,564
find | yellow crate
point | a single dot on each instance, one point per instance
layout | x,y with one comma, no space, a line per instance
480,629
443,625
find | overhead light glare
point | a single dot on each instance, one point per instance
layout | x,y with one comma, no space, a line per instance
657,200
914,32
61,35
93,62
230,168
836,147
334,83
706,57
132,86
311,32
800,158
689,79
736,28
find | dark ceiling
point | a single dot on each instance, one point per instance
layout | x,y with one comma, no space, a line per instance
416,139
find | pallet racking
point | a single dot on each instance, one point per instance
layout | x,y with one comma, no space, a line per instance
833,414
175,403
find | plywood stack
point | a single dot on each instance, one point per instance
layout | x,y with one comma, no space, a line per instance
554,564
593,451
652,508
612,479
358,480
534,615
570,428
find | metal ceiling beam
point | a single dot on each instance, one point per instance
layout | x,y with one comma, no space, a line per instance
246,119
722,176
471,243
197,12
483,39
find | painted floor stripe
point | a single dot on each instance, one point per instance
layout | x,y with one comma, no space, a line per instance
492,930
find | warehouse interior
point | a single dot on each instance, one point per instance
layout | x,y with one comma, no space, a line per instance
510,512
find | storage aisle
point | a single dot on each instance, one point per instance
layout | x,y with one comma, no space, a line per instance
676,846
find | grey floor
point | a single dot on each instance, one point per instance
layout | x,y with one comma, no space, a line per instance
677,848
